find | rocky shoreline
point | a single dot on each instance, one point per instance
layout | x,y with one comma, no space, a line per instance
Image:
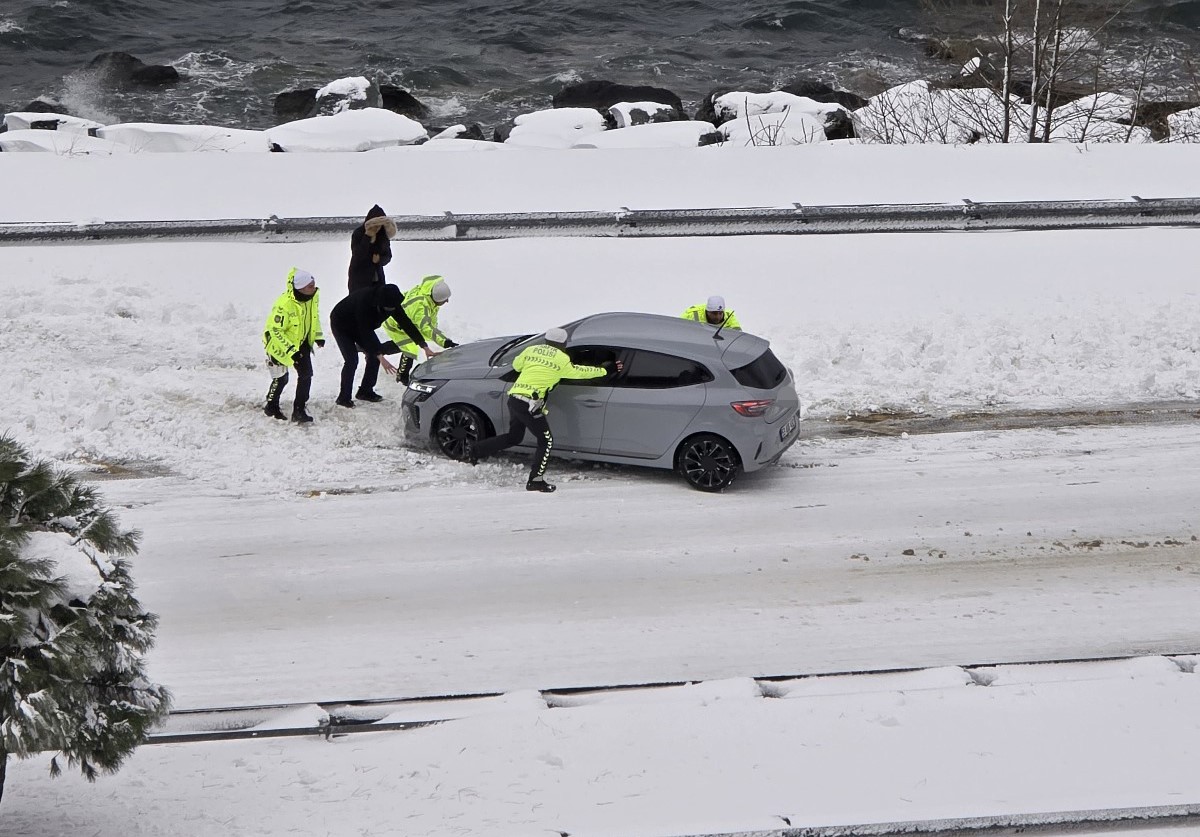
963,107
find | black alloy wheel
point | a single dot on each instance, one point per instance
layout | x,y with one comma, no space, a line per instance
708,462
454,427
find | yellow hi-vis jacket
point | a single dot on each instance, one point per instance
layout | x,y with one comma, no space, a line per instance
292,323
541,367
423,311
698,312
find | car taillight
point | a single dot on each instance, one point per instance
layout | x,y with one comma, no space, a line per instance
752,409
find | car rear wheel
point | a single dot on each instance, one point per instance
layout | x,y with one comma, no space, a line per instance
708,462
455,426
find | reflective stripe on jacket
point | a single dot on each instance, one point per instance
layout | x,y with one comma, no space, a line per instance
541,367
292,323
423,311
698,312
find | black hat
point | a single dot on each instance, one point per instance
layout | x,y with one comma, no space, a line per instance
390,298
375,212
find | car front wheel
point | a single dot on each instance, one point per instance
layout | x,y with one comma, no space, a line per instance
454,427
708,462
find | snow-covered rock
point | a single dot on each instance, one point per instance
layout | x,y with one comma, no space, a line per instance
1110,107
21,121
352,130
343,94
150,136
628,114
1185,125
555,128
66,144
774,129
916,112
654,135
737,104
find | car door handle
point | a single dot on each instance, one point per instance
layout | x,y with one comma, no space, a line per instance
591,402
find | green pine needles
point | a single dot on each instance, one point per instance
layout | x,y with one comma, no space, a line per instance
72,634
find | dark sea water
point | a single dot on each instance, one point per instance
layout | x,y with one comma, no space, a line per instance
488,60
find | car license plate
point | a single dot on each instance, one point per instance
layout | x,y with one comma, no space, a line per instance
789,428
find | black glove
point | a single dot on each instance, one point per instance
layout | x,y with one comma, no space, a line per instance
447,343
320,344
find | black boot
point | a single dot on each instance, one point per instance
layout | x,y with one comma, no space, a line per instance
403,368
539,485
368,395
345,402
272,407
300,416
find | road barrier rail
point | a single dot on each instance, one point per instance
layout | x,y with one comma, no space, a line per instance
798,219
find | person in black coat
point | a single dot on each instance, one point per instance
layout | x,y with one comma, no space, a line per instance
370,250
354,321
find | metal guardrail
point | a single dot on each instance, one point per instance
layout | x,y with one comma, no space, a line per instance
798,219
222,723
365,716
1055,822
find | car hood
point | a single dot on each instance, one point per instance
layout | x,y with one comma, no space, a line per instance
470,360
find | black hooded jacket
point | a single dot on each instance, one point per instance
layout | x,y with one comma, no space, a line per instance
364,271
360,313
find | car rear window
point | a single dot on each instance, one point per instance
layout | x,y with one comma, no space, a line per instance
764,372
654,370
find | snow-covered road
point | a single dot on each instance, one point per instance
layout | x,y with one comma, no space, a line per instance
877,553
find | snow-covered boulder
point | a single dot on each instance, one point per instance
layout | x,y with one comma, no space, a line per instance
1185,125
353,130
151,136
22,121
773,129
656,135
1110,107
59,142
1084,128
628,114
343,94
555,128
757,112
737,104
917,112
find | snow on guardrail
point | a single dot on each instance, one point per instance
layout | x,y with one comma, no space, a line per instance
798,219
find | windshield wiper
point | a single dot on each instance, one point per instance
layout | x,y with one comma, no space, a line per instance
496,354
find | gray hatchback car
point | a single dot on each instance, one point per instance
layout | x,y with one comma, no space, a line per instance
703,401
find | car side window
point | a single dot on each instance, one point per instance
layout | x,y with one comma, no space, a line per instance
590,356
655,370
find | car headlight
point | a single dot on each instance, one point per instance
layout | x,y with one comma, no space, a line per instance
425,388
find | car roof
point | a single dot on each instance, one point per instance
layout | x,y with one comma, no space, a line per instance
673,335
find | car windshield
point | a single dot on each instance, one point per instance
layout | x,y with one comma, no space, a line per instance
764,372
509,350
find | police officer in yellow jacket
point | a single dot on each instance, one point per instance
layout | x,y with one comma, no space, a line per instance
713,312
293,328
422,304
539,368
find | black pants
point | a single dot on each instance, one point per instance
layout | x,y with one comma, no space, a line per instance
302,363
350,352
519,420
